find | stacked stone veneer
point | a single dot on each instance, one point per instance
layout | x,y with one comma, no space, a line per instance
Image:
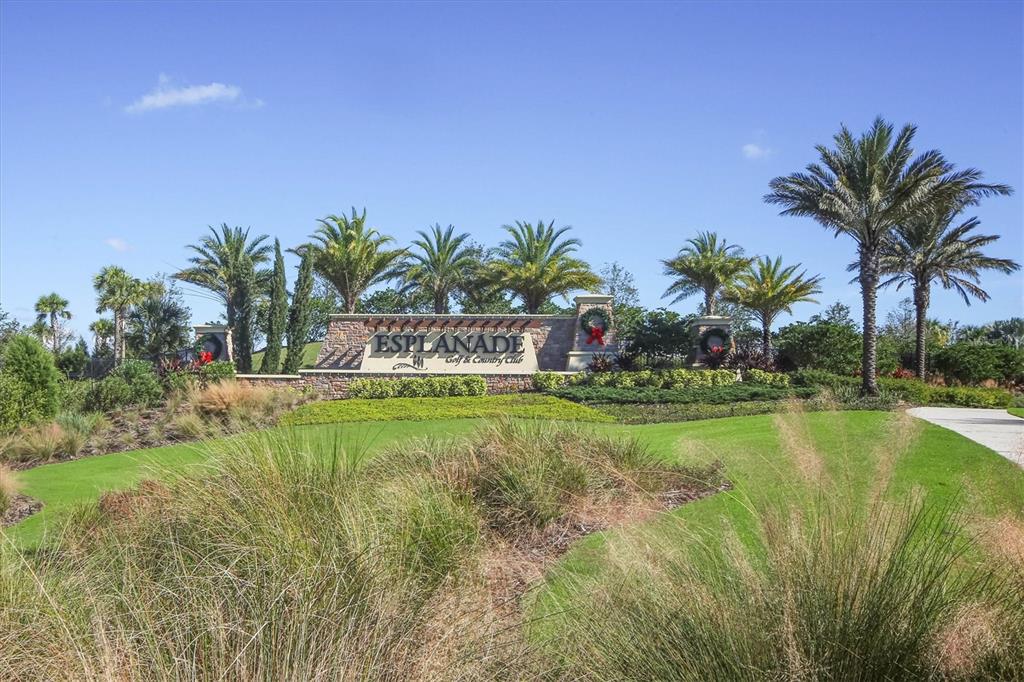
554,337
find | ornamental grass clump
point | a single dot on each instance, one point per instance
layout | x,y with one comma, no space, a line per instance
8,489
297,559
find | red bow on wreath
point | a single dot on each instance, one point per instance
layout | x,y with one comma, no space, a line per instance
596,334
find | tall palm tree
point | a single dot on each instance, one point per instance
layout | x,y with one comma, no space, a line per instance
706,265
51,309
767,289
102,333
536,264
352,256
864,188
937,247
117,291
440,265
226,264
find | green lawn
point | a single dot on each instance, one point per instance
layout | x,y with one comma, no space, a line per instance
309,354
1016,411
938,462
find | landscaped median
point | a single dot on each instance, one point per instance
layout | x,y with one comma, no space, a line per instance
522,405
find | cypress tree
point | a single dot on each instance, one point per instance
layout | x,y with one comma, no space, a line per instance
298,316
245,316
277,316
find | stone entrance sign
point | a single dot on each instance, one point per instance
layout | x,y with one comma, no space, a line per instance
450,352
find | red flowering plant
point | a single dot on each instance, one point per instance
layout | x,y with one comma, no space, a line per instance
716,356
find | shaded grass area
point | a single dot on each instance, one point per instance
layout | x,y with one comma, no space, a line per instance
523,405
309,354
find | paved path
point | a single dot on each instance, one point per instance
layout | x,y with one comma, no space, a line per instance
995,429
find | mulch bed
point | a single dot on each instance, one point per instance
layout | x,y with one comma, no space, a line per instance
22,507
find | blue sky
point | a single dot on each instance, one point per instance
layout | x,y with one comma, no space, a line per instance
127,128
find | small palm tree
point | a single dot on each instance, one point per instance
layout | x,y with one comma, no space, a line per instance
117,291
102,333
706,265
767,289
440,265
51,309
536,264
863,189
352,256
937,247
226,264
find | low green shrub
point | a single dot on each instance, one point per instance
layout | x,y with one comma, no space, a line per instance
133,383
73,394
26,362
665,378
418,387
718,395
10,403
524,405
907,390
217,370
822,379
546,381
759,376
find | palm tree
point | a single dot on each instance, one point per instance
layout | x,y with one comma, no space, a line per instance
936,247
706,265
440,266
864,188
352,256
535,264
102,332
51,309
117,291
225,264
767,289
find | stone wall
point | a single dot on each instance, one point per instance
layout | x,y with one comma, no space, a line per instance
347,336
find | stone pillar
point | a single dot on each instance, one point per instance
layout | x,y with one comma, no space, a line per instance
216,340
586,345
710,323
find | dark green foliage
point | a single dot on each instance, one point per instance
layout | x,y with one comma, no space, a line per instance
72,361
418,387
246,293
716,395
911,391
11,403
159,324
819,344
973,363
133,383
31,366
656,336
299,317
277,315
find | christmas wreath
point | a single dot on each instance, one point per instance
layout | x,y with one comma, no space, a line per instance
714,340
595,323
209,345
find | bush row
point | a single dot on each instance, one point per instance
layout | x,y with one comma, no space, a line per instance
911,390
666,378
716,395
418,387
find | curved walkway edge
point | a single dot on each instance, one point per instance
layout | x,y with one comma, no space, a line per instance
995,429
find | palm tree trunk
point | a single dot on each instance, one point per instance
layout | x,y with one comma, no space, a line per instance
440,304
118,335
869,294
709,303
921,295
766,338
53,332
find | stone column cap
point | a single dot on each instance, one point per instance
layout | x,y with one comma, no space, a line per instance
711,320
210,328
593,298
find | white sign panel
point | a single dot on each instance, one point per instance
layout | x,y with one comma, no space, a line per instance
450,352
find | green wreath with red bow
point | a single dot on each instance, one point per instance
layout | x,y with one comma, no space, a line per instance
595,323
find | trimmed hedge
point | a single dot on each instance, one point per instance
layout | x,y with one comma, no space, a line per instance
655,414
546,381
717,395
667,378
522,405
418,387
759,376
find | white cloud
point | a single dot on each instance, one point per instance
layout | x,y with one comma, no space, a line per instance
755,151
117,244
166,95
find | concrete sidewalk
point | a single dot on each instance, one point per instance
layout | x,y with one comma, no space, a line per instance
995,429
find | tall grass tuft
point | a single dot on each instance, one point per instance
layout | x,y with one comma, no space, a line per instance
8,489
